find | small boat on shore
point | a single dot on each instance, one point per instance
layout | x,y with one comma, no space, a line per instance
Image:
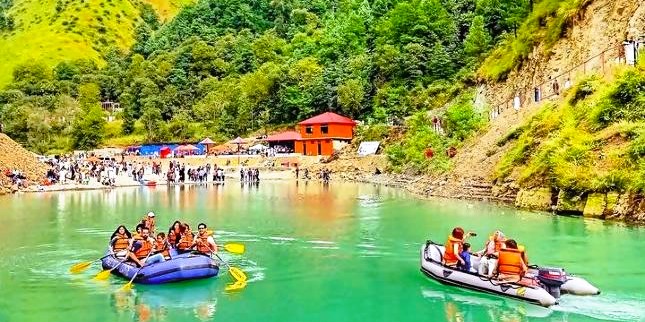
549,284
180,267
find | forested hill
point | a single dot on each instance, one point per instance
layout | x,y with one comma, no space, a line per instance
52,31
227,67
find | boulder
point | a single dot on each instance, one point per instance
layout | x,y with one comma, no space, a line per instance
570,202
536,199
595,205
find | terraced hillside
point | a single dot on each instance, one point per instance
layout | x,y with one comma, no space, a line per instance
56,30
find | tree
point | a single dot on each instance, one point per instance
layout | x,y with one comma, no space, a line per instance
350,97
478,40
89,127
153,124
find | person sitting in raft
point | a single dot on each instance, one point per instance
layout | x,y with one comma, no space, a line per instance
185,243
511,265
173,233
204,242
454,247
139,228
490,254
465,255
141,247
162,246
119,242
149,221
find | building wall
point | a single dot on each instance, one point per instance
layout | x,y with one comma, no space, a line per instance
334,131
315,147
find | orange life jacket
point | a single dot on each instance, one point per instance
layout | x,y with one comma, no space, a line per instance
510,262
186,241
449,257
121,242
202,243
162,247
145,249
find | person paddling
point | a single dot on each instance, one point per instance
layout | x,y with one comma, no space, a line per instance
204,242
162,246
119,242
141,247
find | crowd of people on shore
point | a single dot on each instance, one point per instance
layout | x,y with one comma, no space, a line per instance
142,248
249,175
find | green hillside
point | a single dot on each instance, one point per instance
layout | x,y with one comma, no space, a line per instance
55,30
224,68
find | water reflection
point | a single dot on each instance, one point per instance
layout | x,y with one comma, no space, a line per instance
461,306
167,302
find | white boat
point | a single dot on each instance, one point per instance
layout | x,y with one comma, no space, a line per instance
550,282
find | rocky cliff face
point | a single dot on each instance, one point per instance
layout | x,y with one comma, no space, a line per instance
591,45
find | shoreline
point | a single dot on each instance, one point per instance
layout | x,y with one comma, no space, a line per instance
627,209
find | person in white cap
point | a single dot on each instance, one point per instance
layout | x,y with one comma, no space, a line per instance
149,221
490,254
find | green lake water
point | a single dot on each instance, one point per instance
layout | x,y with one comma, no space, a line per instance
343,252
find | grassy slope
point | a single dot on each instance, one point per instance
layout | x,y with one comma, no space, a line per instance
594,140
80,30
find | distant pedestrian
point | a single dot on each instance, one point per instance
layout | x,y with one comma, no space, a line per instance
567,84
556,87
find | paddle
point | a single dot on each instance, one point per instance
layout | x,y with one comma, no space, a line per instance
128,286
234,248
238,274
104,274
79,267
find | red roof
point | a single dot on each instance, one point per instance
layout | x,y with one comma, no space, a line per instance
285,136
326,118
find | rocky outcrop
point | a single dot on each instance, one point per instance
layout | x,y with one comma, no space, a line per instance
534,199
595,205
570,202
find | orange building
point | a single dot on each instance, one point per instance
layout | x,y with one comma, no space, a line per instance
322,133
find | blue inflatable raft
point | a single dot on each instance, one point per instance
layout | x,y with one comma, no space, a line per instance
180,267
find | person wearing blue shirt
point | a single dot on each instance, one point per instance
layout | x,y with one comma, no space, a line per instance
465,255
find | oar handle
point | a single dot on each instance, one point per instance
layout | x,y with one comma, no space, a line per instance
221,260
140,268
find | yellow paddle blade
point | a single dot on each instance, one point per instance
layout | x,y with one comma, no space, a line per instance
237,274
103,275
234,248
77,268
127,287
238,285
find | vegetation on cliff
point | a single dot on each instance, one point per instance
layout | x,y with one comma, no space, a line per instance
593,141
